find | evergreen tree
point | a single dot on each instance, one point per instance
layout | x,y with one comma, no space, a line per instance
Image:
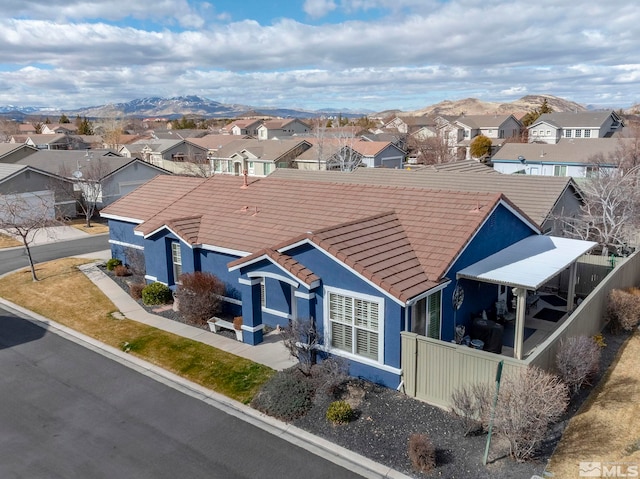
64,119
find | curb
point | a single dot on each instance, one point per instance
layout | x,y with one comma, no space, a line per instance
292,434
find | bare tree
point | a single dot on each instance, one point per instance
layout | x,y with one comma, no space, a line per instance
431,150
111,127
24,217
196,163
301,338
611,200
88,178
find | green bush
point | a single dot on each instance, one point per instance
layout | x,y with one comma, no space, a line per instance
339,412
156,293
287,396
112,263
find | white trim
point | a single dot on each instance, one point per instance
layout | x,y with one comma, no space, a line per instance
473,236
312,285
121,218
150,278
362,296
428,293
347,267
249,282
359,359
230,300
252,329
275,312
278,277
303,295
128,245
220,249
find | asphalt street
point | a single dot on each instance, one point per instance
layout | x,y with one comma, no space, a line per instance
67,412
15,258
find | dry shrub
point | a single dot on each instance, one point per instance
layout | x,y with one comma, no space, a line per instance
301,338
577,361
472,404
530,401
135,290
199,296
121,270
421,452
623,308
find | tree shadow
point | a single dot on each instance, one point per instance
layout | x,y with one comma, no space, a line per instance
15,331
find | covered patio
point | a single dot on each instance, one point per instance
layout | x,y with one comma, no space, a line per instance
526,267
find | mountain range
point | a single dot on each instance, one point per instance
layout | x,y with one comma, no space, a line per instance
198,106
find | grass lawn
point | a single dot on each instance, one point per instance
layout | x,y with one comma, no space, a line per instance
7,241
607,426
65,295
97,227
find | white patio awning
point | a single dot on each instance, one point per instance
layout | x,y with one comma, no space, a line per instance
529,263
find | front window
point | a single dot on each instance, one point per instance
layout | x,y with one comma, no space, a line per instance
426,316
267,168
176,259
355,324
567,133
587,133
251,167
578,133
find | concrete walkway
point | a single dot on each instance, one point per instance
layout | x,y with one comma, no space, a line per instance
271,352
52,234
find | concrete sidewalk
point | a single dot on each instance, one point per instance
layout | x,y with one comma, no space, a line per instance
52,234
271,352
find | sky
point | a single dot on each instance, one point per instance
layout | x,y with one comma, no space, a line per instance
314,54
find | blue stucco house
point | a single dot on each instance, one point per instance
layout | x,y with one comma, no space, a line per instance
365,262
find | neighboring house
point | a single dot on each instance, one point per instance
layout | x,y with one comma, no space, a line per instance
331,153
37,187
117,175
12,152
47,142
59,129
375,261
497,128
176,156
181,134
257,157
270,129
243,127
407,124
552,127
547,201
214,142
567,157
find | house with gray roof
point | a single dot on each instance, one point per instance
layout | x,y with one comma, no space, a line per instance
551,127
567,157
176,155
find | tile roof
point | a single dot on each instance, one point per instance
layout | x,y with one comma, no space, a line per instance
593,119
483,121
262,149
296,269
567,150
403,239
536,196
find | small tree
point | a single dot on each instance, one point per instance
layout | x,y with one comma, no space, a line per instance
24,218
301,338
480,146
198,296
64,119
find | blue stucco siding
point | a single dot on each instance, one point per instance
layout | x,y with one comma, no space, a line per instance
120,235
501,230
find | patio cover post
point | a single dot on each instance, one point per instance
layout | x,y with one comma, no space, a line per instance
518,340
572,286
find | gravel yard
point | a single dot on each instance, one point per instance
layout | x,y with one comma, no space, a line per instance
386,418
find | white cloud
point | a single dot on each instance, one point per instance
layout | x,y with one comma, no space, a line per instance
425,50
318,8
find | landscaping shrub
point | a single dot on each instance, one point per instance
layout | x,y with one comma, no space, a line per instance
339,412
473,404
135,290
112,263
121,270
329,375
421,452
577,361
301,338
199,296
156,293
287,396
530,401
623,309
